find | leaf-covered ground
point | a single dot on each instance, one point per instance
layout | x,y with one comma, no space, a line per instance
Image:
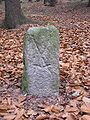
73,22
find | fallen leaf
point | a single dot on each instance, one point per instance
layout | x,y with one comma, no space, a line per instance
71,109
31,112
21,98
3,113
26,116
48,109
42,117
19,114
4,107
85,109
86,101
41,106
85,117
55,109
52,108
9,117
71,117
9,101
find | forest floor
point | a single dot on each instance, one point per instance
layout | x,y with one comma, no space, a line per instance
73,22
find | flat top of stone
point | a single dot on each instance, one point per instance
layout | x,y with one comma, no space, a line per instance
37,29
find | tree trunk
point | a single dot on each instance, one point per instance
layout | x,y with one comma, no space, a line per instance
89,3
13,14
50,2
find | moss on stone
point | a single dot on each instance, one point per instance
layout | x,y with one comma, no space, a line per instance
51,33
55,85
25,82
24,77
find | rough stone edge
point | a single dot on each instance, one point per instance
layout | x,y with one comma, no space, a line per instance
24,82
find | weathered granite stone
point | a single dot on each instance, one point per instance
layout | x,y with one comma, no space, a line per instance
41,61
